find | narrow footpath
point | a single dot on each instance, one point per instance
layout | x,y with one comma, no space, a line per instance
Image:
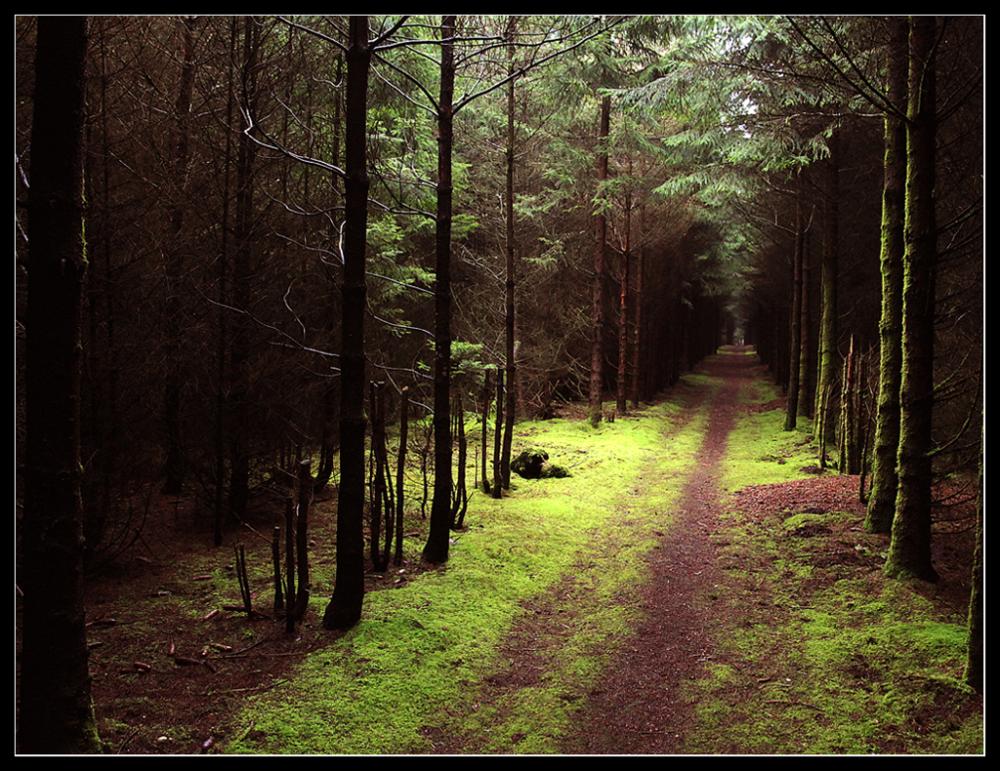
636,709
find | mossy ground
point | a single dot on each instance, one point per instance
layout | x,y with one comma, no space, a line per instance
411,669
760,451
817,652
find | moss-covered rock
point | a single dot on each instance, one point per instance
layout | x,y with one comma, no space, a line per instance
528,463
532,464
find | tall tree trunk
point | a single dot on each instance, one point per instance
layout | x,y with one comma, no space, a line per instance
221,372
827,374
174,466
910,545
302,538
328,407
239,463
376,481
56,712
508,429
621,403
487,399
882,498
497,486
794,342
404,424
805,370
637,369
461,501
600,241
344,608
436,549
110,431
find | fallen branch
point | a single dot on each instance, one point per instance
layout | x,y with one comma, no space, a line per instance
126,740
255,688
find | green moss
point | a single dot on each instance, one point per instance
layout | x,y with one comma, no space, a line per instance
760,452
812,663
412,668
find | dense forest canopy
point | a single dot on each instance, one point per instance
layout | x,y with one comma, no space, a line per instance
313,257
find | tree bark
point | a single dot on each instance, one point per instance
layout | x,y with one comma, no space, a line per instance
805,398
289,565
221,372
882,499
279,595
497,486
404,420
637,370
436,548
302,538
376,482
487,398
328,407
174,465
511,411
344,609
56,712
827,374
239,465
910,545
795,332
461,491
597,292
621,403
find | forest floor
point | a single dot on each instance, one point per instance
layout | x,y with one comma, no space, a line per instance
694,587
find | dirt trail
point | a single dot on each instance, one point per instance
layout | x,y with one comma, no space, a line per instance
636,707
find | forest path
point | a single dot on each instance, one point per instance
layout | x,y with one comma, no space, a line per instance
636,708
557,689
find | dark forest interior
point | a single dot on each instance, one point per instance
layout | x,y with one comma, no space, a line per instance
499,384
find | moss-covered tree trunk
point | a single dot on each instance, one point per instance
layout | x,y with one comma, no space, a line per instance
795,326
848,436
436,548
56,713
827,345
597,289
882,498
344,608
910,545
